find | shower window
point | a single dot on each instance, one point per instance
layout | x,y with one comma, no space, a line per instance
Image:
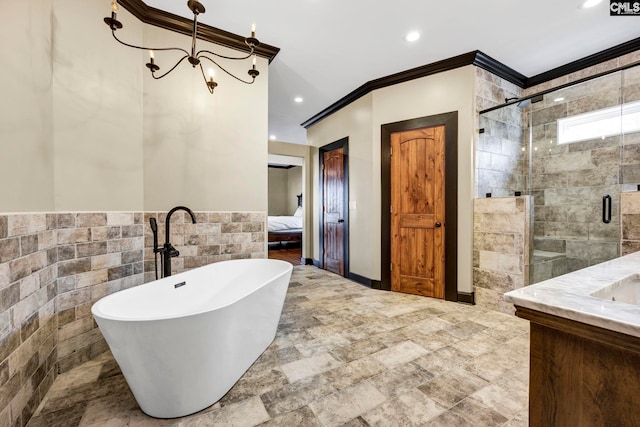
600,124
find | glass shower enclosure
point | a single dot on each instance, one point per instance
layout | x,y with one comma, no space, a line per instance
574,149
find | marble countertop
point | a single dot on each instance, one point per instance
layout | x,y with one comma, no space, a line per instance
569,296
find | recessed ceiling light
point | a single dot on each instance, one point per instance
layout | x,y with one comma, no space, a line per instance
590,3
558,99
298,99
412,36
272,137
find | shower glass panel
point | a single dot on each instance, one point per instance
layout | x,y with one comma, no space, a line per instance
574,150
574,175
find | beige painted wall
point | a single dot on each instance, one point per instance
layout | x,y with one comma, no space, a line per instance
26,114
294,187
74,136
353,121
361,122
208,152
278,191
97,110
284,186
306,153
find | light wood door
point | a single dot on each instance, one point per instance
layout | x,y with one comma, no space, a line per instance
417,211
333,210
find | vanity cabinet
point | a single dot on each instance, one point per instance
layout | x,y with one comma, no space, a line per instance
581,375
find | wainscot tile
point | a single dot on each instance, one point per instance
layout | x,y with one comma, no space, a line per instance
232,227
19,269
9,249
28,244
4,226
95,219
119,218
68,268
9,296
91,249
66,220
74,235
219,217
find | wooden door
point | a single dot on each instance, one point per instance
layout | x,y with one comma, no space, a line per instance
417,211
333,210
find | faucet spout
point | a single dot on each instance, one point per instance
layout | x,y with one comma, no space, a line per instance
168,220
168,250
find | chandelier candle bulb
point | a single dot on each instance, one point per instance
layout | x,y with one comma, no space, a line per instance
253,30
151,56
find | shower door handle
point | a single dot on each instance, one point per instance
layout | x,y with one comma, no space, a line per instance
606,209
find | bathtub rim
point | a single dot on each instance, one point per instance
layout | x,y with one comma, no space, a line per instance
97,312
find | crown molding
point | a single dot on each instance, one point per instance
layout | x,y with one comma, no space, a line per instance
471,58
481,60
587,61
169,21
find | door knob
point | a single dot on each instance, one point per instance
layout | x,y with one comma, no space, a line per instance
341,220
438,224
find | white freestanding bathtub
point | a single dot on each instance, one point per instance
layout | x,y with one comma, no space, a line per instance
183,341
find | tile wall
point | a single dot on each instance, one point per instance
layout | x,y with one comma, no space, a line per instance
629,222
499,156
216,236
54,266
501,248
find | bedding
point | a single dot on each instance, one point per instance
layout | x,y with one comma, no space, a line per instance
284,223
286,228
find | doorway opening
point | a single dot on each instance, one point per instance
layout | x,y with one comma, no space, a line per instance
285,208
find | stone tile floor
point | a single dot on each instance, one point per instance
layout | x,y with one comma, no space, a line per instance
343,355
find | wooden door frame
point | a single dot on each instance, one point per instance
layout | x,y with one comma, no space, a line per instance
450,122
344,144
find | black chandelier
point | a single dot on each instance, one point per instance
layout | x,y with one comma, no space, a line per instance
194,57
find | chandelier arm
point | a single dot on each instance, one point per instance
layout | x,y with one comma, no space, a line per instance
147,48
223,56
172,68
228,72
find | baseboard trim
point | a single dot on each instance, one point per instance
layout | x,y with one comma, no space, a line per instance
315,263
467,297
374,284
306,261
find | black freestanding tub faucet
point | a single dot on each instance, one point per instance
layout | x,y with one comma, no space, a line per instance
168,251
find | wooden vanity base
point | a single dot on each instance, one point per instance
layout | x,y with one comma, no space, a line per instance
581,375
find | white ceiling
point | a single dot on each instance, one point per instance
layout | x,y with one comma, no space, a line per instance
331,47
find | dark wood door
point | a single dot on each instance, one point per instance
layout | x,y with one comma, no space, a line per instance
417,211
333,210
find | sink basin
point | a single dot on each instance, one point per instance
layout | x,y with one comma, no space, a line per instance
626,290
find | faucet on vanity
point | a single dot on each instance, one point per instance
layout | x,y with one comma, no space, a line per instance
167,251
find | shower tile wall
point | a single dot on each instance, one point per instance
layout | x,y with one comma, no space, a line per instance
499,157
54,266
501,249
630,222
630,58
